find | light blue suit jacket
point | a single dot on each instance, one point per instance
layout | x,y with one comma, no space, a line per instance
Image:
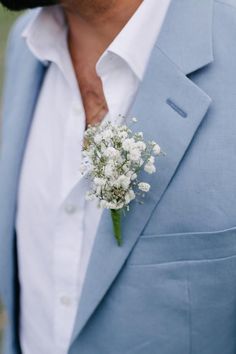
171,288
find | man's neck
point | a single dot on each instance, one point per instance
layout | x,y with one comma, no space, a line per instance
91,31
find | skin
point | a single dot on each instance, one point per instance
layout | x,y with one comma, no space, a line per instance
93,24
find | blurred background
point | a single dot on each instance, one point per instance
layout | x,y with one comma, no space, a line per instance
6,20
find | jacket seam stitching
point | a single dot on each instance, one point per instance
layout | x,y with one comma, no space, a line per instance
189,310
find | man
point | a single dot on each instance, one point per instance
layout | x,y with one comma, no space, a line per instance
66,285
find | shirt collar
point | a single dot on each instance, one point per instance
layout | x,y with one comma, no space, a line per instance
46,37
136,40
133,44
46,25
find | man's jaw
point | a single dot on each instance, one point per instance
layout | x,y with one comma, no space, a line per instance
18,5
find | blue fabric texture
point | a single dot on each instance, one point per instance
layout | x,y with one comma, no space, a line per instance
171,287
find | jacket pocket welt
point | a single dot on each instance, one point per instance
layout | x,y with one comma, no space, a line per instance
183,247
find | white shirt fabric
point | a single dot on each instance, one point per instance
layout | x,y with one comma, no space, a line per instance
55,225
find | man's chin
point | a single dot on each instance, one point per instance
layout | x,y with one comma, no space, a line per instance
18,5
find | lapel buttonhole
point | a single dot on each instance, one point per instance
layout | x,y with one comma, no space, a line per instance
176,108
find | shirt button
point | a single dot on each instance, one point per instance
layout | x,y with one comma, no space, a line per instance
65,301
70,208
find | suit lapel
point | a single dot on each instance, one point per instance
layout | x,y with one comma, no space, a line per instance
169,108
20,99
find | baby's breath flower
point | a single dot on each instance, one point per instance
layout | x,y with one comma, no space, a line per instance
134,155
134,176
151,160
113,156
98,190
123,181
112,153
122,135
107,134
98,139
149,168
128,144
140,145
144,187
156,149
130,195
109,170
140,135
99,181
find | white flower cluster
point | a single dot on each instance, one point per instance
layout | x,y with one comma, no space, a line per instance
114,156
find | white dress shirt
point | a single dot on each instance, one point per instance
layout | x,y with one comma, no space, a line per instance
55,226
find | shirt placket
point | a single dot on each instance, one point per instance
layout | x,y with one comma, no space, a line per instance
69,229
67,255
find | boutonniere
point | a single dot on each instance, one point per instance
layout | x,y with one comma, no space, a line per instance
114,156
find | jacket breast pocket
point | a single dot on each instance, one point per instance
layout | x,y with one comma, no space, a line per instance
197,246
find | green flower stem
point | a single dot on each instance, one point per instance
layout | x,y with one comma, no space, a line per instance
116,220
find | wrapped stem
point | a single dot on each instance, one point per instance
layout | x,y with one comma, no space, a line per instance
116,220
